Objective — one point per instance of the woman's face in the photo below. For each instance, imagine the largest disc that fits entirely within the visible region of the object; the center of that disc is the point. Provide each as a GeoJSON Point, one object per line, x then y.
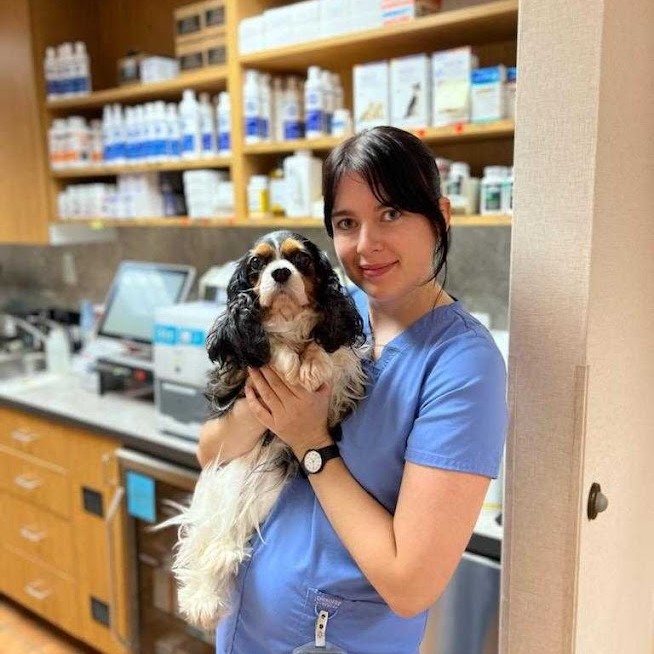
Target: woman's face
{"type": "Point", "coordinates": [385, 252]}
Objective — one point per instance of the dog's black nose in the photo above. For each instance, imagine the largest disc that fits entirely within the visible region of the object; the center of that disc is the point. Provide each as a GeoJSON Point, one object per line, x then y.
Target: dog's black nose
{"type": "Point", "coordinates": [281, 274]}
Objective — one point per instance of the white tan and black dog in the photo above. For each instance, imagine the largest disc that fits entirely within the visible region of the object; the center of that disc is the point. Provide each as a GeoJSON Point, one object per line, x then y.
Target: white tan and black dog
{"type": "Point", "coordinates": [287, 308]}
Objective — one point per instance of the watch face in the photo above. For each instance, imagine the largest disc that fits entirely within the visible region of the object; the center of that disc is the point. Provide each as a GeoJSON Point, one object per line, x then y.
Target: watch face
{"type": "Point", "coordinates": [312, 461]}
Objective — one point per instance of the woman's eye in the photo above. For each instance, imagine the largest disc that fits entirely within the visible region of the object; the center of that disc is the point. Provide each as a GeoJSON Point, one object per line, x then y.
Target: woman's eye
{"type": "Point", "coordinates": [344, 223]}
{"type": "Point", "coordinates": [392, 214]}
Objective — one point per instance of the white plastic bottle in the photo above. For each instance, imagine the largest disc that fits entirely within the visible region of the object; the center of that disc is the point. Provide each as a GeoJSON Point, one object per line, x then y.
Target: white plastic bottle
{"type": "Point", "coordinates": [174, 134]}
{"type": "Point", "coordinates": [147, 153]}
{"type": "Point", "coordinates": [82, 70]}
{"type": "Point", "coordinates": [258, 196]}
{"type": "Point", "coordinates": [224, 115]}
{"type": "Point", "coordinates": [491, 190]}
{"type": "Point", "coordinates": [207, 126]}
{"type": "Point", "coordinates": [189, 116]}
{"type": "Point", "coordinates": [339, 94]}
{"type": "Point", "coordinates": [265, 107]}
{"type": "Point", "coordinates": [118, 138]}
{"type": "Point", "coordinates": [57, 351]}
{"type": "Point", "coordinates": [314, 104]}
{"type": "Point", "coordinates": [159, 131]}
{"type": "Point", "coordinates": [277, 119]}
{"type": "Point", "coordinates": [78, 141]}
{"type": "Point", "coordinates": [65, 57]}
{"type": "Point", "coordinates": [329, 101]}
{"type": "Point", "coordinates": [456, 187]}
{"type": "Point", "coordinates": [140, 134]}
{"type": "Point", "coordinates": [291, 118]}
{"type": "Point", "coordinates": [51, 73]}
{"type": "Point", "coordinates": [56, 143]}
{"type": "Point", "coordinates": [96, 142]}
{"type": "Point", "coordinates": [303, 176]}
{"type": "Point", "coordinates": [251, 104]}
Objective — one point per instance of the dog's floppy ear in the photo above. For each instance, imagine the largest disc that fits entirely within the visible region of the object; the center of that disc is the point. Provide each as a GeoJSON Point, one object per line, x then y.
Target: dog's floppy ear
{"type": "Point", "coordinates": [340, 323]}
{"type": "Point", "coordinates": [238, 339]}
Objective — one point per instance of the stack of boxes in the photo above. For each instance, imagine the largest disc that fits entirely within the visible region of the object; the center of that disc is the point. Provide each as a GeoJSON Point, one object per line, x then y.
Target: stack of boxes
{"type": "Point", "coordinates": [315, 19]}
{"type": "Point", "coordinates": [200, 35]}
{"type": "Point", "coordinates": [420, 91]}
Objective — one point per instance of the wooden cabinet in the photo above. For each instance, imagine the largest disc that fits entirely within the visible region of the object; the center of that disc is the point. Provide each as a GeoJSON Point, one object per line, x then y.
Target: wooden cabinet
{"type": "Point", "coordinates": [62, 554]}
{"type": "Point", "coordinates": [24, 194]}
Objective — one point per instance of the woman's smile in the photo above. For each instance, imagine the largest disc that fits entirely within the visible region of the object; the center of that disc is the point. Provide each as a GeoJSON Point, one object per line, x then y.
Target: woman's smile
{"type": "Point", "coordinates": [376, 270]}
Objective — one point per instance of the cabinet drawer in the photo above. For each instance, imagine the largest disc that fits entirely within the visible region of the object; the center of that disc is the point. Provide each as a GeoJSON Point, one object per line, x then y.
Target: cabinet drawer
{"type": "Point", "coordinates": [41, 590]}
{"type": "Point", "coordinates": [34, 436]}
{"type": "Point", "coordinates": [39, 534]}
{"type": "Point", "coordinates": [35, 483]}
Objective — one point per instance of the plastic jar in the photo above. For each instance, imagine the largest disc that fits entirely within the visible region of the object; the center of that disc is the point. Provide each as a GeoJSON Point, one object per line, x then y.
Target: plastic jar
{"type": "Point", "coordinates": [258, 195]}
{"type": "Point", "coordinates": [492, 190]}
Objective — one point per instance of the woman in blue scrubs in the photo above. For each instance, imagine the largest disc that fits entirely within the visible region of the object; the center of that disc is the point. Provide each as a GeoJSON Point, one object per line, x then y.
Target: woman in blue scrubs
{"type": "Point", "coordinates": [373, 537]}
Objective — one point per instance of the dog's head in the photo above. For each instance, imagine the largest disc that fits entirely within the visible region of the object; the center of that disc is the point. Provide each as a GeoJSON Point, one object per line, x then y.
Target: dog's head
{"type": "Point", "coordinates": [279, 280]}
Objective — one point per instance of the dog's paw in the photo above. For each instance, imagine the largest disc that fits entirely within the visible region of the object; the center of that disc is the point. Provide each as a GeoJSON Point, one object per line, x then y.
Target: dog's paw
{"type": "Point", "coordinates": [316, 368]}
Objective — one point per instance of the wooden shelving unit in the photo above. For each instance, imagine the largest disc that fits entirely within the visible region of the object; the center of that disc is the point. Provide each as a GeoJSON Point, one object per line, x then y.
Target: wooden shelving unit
{"type": "Point", "coordinates": [104, 171]}
{"type": "Point", "coordinates": [207, 79]}
{"type": "Point", "coordinates": [273, 223]}
{"type": "Point", "coordinates": [492, 22]}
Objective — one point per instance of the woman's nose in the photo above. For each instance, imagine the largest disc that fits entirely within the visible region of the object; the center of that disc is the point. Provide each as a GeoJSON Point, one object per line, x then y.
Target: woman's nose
{"type": "Point", "coordinates": [369, 239]}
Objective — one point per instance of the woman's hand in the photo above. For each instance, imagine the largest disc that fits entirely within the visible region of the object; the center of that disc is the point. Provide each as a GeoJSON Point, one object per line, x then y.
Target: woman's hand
{"type": "Point", "coordinates": [294, 414]}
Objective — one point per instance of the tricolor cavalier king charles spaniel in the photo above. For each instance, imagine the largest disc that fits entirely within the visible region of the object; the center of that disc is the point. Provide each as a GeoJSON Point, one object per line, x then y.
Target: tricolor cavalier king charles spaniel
{"type": "Point", "coordinates": [287, 308]}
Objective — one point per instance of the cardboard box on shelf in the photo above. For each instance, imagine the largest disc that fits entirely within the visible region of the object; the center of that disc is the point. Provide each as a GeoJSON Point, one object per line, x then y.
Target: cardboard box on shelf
{"type": "Point", "coordinates": [400, 11]}
{"type": "Point", "coordinates": [451, 74]}
{"type": "Point", "coordinates": [371, 95]}
{"type": "Point", "coordinates": [189, 19]}
{"type": "Point", "coordinates": [205, 50]}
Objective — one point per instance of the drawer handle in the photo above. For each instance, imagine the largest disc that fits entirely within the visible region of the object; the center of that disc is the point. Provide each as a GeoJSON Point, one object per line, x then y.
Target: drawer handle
{"type": "Point", "coordinates": [33, 591]}
{"type": "Point", "coordinates": [31, 534]}
{"type": "Point", "coordinates": [23, 437]}
{"type": "Point", "coordinates": [27, 482]}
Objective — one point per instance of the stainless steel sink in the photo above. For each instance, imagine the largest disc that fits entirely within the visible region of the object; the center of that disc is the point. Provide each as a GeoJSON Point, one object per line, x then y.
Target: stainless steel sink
{"type": "Point", "coordinates": [20, 364]}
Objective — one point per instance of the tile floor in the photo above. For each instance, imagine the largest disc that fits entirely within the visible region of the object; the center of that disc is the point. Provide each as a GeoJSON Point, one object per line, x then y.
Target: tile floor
{"type": "Point", "coordinates": [22, 632]}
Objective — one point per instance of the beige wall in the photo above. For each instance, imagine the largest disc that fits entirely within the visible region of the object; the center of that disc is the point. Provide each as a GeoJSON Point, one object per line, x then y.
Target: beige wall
{"type": "Point", "coordinates": [581, 348]}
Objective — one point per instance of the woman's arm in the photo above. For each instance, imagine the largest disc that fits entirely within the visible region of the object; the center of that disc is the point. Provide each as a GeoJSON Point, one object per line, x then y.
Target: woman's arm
{"type": "Point", "coordinates": [229, 436]}
{"type": "Point", "coordinates": [408, 557]}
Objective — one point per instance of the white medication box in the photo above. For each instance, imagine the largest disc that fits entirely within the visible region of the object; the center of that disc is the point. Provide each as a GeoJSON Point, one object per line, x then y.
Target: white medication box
{"type": "Point", "coordinates": [334, 17]}
{"type": "Point", "coordinates": [451, 72]}
{"type": "Point", "coordinates": [410, 91]}
{"type": "Point", "coordinates": [371, 95]}
{"type": "Point", "coordinates": [488, 95]}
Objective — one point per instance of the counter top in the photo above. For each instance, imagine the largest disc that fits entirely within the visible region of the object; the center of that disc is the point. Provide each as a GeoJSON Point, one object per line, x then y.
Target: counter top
{"type": "Point", "coordinates": [130, 420]}
{"type": "Point", "coordinates": [133, 422]}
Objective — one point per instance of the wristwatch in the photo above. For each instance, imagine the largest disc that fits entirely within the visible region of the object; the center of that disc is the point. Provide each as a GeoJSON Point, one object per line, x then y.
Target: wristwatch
{"type": "Point", "coordinates": [314, 461]}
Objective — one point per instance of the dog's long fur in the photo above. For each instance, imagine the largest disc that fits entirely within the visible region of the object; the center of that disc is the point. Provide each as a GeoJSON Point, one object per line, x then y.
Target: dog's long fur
{"type": "Point", "coordinates": [302, 323]}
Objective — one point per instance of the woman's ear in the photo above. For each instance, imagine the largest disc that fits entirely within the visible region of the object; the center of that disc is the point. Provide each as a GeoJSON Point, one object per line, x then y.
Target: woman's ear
{"type": "Point", "coordinates": [446, 209]}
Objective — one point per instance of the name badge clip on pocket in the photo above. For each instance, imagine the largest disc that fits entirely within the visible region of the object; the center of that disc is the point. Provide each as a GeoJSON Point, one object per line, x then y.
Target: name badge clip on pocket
{"type": "Point", "coordinates": [320, 644]}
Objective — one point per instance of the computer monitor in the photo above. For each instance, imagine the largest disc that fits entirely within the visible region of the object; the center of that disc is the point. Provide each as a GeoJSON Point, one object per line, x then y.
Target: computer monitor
{"type": "Point", "coordinates": [137, 290]}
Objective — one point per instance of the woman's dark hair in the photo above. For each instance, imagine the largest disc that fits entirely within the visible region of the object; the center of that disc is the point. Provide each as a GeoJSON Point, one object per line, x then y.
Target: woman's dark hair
{"type": "Point", "coordinates": [401, 172]}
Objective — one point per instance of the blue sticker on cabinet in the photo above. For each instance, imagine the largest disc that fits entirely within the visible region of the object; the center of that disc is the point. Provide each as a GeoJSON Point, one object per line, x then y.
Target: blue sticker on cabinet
{"type": "Point", "coordinates": [141, 496]}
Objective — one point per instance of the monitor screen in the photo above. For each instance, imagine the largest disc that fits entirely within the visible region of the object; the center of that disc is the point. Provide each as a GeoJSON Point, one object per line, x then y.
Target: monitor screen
{"type": "Point", "coordinates": [137, 290]}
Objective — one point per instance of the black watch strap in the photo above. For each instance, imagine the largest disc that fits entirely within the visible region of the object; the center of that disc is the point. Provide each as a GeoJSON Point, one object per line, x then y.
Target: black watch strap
{"type": "Point", "coordinates": [326, 453]}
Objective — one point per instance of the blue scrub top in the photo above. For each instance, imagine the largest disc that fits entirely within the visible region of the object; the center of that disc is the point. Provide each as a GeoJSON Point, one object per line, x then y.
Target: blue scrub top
{"type": "Point", "coordinates": [436, 397]}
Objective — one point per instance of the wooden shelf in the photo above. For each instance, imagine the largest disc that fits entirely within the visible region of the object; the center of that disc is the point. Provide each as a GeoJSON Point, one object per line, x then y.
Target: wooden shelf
{"type": "Point", "coordinates": [487, 23]}
{"type": "Point", "coordinates": [213, 78]}
{"type": "Point", "coordinates": [451, 133]}
{"type": "Point", "coordinates": [103, 171]}
{"type": "Point", "coordinates": [279, 223]}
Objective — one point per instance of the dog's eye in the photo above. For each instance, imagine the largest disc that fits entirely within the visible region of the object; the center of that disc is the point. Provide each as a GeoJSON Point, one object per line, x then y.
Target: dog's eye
{"type": "Point", "coordinates": [301, 260]}
{"type": "Point", "coordinates": [256, 264]}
